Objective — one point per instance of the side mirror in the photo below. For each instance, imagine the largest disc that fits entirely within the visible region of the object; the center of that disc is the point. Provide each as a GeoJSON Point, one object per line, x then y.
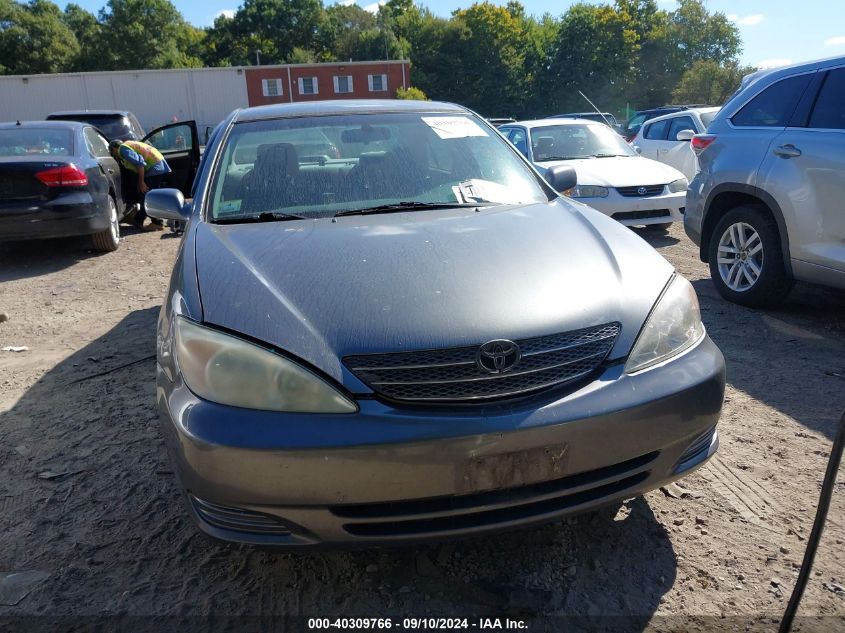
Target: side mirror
{"type": "Point", "coordinates": [684, 135]}
{"type": "Point", "coordinates": [561, 177]}
{"type": "Point", "coordinates": [167, 204]}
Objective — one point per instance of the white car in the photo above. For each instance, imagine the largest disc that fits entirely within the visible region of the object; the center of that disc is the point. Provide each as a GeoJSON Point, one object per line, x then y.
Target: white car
{"type": "Point", "coordinates": [612, 177]}
{"type": "Point", "coordinates": [667, 138]}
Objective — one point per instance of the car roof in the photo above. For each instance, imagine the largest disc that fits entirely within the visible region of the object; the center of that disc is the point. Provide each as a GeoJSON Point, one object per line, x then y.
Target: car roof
{"type": "Point", "coordinates": [345, 106]}
{"type": "Point", "coordinates": [672, 115]}
{"type": "Point", "coordinates": [568, 114]}
{"type": "Point", "coordinates": [552, 121]}
{"type": "Point", "coordinates": [90, 112]}
{"type": "Point", "coordinates": [67, 125]}
{"type": "Point", "coordinates": [792, 69]}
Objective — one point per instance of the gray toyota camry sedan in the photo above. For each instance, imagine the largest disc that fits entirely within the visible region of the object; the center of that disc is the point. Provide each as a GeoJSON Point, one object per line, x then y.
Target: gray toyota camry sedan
{"type": "Point", "coordinates": [413, 336]}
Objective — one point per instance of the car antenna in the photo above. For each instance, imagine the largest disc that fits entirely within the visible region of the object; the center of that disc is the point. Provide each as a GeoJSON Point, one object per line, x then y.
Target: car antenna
{"type": "Point", "coordinates": [18, 123]}
{"type": "Point", "coordinates": [599, 112]}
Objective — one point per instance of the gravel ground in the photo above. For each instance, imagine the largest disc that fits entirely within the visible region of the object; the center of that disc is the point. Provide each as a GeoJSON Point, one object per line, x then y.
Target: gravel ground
{"type": "Point", "coordinates": [92, 524]}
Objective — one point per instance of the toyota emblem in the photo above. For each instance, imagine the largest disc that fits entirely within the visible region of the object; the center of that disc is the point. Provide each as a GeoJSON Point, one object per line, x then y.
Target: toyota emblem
{"type": "Point", "coordinates": [642, 191]}
{"type": "Point", "coordinates": [498, 357]}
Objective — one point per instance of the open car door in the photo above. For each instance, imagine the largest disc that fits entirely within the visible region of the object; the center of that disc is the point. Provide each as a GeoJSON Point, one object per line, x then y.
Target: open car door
{"type": "Point", "coordinates": [179, 144]}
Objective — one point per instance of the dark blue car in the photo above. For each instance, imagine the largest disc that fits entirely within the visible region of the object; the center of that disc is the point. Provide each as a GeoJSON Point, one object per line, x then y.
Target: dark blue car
{"type": "Point", "coordinates": [417, 338]}
{"type": "Point", "coordinates": [58, 179]}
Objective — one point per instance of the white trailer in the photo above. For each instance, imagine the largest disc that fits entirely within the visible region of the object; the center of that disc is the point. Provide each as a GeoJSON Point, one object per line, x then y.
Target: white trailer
{"type": "Point", "coordinates": [205, 95]}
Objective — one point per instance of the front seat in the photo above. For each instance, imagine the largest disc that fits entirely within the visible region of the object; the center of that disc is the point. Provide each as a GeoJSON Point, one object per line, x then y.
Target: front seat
{"type": "Point", "coordinates": [544, 148]}
{"type": "Point", "coordinates": [271, 184]}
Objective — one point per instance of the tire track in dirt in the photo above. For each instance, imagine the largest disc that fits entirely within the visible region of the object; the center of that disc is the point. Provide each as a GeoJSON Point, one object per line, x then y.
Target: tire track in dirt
{"type": "Point", "coordinates": [746, 496]}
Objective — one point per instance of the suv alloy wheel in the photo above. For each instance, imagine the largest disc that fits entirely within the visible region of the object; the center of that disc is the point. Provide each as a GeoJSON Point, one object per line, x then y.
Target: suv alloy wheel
{"type": "Point", "coordinates": [746, 261]}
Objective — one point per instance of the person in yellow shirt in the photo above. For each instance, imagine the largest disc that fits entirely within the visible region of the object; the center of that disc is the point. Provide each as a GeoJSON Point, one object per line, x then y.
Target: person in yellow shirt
{"type": "Point", "coordinates": [149, 165]}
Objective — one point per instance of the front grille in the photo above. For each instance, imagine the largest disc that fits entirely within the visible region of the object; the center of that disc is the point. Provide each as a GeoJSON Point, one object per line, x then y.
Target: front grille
{"type": "Point", "coordinates": [643, 215]}
{"type": "Point", "coordinates": [457, 512]}
{"type": "Point", "coordinates": [634, 192]}
{"type": "Point", "coordinates": [238, 519]}
{"type": "Point", "coordinates": [452, 374]}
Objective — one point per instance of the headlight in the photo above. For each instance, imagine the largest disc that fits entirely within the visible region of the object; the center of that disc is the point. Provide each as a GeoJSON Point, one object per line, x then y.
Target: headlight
{"type": "Point", "coordinates": [673, 326]}
{"type": "Point", "coordinates": [587, 191]}
{"type": "Point", "coordinates": [679, 185]}
{"type": "Point", "coordinates": [231, 371]}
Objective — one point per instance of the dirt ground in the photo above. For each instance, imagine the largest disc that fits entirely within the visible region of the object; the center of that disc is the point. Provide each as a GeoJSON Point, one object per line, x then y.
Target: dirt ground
{"type": "Point", "coordinates": [92, 524]}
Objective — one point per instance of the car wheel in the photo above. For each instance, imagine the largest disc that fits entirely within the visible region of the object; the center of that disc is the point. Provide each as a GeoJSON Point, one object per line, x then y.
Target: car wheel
{"type": "Point", "coordinates": [746, 261]}
{"type": "Point", "coordinates": [663, 226]}
{"type": "Point", "coordinates": [108, 240]}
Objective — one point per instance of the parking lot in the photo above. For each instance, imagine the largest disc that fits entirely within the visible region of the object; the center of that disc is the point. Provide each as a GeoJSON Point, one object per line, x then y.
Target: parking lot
{"type": "Point", "coordinates": [87, 495]}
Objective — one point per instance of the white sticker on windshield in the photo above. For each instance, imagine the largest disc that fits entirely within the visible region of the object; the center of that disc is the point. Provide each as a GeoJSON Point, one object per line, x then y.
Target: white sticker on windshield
{"type": "Point", "coordinates": [454, 126]}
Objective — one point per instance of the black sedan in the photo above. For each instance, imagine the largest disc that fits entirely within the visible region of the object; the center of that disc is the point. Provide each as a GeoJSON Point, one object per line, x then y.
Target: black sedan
{"type": "Point", "coordinates": [57, 179]}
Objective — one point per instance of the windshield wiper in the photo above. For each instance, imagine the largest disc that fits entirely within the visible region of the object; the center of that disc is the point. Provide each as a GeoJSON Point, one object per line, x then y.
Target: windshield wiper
{"type": "Point", "coordinates": [561, 158]}
{"type": "Point", "coordinates": [267, 216]}
{"type": "Point", "coordinates": [408, 206]}
{"type": "Point", "coordinates": [609, 155]}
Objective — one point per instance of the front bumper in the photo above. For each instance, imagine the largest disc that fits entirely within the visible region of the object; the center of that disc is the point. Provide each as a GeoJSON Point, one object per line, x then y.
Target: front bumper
{"type": "Point", "coordinates": [388, 475]}
{"type": "Point", "coordinates": [69, 215]}
{"type": "Point", "coordinates": [640, 211]}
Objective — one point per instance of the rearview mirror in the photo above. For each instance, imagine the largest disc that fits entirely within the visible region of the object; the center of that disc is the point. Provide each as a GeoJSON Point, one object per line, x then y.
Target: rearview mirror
{"type": "Point", "coordinates": [167, 204]}
{"type": "Point", "coordinates": [684, 135]}
{"type": "Point", "coordinates": [365, 134]}
{"type": "Point", "coordinates": [561, 178]}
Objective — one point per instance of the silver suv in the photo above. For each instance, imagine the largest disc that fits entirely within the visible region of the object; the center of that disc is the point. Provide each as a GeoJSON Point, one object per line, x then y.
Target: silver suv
{"type": "Point", "coordinates": [768, 206]}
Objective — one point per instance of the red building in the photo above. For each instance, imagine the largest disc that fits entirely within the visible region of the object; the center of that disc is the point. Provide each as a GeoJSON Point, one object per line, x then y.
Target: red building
{"type": "Point", "coordinates": [313, 82]}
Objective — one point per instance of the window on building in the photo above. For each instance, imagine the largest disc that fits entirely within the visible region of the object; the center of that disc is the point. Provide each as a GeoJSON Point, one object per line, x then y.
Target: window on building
{"type": "Point", "coordinates": [343, 83]}
{"type": "Point", "coordinates": [378, 83]}
{"type": "Point", "coordinates": [272, 87]}
{"type": "Point", "coordinates": [308, 86]}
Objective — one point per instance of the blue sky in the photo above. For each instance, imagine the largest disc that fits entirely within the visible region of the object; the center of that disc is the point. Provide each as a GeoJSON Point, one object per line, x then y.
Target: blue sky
{"type": "Point", "coordinates": [774, 32]}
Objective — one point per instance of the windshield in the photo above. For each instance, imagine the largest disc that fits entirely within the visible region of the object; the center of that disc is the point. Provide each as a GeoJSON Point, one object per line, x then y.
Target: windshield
{"type": "Point", "coordinates": [321, 166]}
{"type": "Point", "coordinates": [27, 141]}
{"type": "Point", "coordinates": [563, 142]}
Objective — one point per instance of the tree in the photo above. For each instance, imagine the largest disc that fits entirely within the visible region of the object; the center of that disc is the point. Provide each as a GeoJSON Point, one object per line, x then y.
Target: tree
{"type": "Point", "coordinates": [140, 34]}
{"type": "Point", "coordinates": [486, 54]}
{"type": "Point", "coordinates": [414, 94]}
{"type": "Point", "coordinates": [34, 39]}
{"type": "Point", "coordinates": [596, 51]}
{"type": "Point", "coordinates": [273, 27]}
{"type": "Point", "coordinates": [709, 82]}
{"type": "Point", "coordinates": [87, 31]}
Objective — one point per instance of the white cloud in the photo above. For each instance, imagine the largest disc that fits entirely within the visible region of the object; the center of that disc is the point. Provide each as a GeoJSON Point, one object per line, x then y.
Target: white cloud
{"type": "Point", "coordinates": [373, 8]}
{"type": "Point", "coordinates": [229, 13]}
{"type": "Point", "coordinates": [748, 20]}
{"type": "Point", "coordinates": [835, 41]}
{"type": "Point", "coordinates": [773, 63]}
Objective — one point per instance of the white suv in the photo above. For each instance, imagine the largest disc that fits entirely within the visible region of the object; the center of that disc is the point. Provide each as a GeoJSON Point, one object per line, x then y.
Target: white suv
{"type": "Point", "coordinates": [667, 138]}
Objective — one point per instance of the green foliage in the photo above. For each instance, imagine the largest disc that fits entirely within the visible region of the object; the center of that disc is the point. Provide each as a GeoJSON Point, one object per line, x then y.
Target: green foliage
{"type": "Point", "coordinates": [34, 39]}
{"type": "Point", "coordinates": [412, 93]}
{"type": "Point", "coordinates": [140, 34]}
{"type": "Point", "coordinates": [498, 60]}
{"type": "Point", "coordinates": [271, 28]}
{"type": "Point", "coordinates": [88, 32]}
{"type": "Point", "coordinates": [707, 81]}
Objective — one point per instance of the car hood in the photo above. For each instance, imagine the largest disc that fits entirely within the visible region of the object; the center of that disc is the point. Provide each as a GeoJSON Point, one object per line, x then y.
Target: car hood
{"type": "Point", "coordinates": [620, 171]}
{"type": "Point", "coordinates": [323, 289]}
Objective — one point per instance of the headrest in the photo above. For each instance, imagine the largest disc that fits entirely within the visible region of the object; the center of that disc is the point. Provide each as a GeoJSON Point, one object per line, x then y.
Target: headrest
{"type": "Point", "coordinates": [277, 158]}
